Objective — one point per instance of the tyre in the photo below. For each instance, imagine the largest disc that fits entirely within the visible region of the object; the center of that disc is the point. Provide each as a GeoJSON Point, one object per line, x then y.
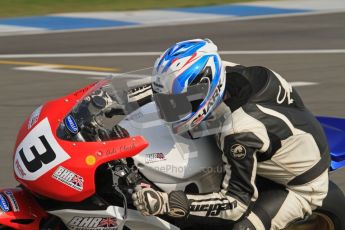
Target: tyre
{"type": "Point", "coordinates": [331, 216]}
{"type": "Point", "coordinates": [317, 221]}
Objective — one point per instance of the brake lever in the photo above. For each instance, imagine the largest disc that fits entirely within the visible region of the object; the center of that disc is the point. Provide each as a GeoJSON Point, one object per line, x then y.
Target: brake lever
{"type": "Point", "coordinates": [115, 177]}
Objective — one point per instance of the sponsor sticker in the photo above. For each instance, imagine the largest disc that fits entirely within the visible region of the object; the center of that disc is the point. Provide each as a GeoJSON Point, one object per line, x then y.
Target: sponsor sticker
{"type": "Point", "coordinates": [34, 117]}
{"type": "Point", "coordinates": [69, 178]}
{"type": "Point", "coordinates": [13, 201]}
{"type": "Point", "coordinates": [19, 168]}
{"type": "Point", "coordinates": [93, 223]}
{"type": "Point", "coordinates": [285, 91]}
{"type": "Point", "coordinates": [120, 149]}
{"type": "Point", "coordinates": [213, 209]}
{"type": "Point", "coordinates": [71, 124]}
{"type": "Point", "coordinates": [213, 100]}
{"type": "Point", "coordinates": [238, 151]}
{"type": "Point", "coordinates": [4, 205]}
{"type": "Point", "coordinates": [90, 160]}
{"type": "Point", "coordinates": [154, 157]}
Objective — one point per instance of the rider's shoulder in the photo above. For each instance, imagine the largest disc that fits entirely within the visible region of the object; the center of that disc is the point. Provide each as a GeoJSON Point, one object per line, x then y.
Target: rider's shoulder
{"type": "Point", "coordinates": [263, 82]}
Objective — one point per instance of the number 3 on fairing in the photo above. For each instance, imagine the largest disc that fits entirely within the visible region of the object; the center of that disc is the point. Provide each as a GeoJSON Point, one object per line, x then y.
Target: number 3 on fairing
{"type": "Point", "coordinates": [38, 153]}
{"type": "Point", "coordinates": [40, 159]}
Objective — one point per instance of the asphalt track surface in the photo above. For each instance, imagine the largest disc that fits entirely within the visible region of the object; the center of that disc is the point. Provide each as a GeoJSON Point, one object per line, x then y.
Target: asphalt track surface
{"type": "Point", "coordinates": [22, 91]}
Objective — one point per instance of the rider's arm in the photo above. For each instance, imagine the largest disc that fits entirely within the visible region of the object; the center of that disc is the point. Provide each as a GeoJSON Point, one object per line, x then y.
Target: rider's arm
{"type": "Point", "coordinates": [230, 203]}
{"type": "Point", "coordinates": [238, 188]}
{"type": "Point", "coordinates": [241, 141]}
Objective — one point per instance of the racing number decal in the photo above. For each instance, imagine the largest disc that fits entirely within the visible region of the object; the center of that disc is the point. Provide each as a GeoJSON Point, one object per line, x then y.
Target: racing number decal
{"type": "Point", "coordinates": [38, 153]}
{"type": "Point", "coordinates": [40, 159]}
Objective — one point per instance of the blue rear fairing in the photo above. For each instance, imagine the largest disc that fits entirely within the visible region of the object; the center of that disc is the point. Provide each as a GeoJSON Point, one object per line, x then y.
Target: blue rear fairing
{"type": "Point", "coordinates": [335, 132]}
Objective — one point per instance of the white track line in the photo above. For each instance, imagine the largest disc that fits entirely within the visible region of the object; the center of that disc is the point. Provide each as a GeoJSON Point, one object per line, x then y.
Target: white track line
{"type": "Point", "coordinates": [315, 51]}
{"type": "Point", "coordinates": [137, 54]}
{"type": "Point", "coordinates": [54, 69]}
{"type": "Point", "coordinates": [293, 83]}
{"type": "Point", "coordinates": [72, 55]}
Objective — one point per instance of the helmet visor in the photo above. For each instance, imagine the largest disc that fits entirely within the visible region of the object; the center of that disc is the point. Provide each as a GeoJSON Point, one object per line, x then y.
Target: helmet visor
{"type": "Point", "coordinates": [173, 108]}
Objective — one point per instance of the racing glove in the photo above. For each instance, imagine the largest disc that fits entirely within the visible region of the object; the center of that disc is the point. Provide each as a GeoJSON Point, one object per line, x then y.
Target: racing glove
{"type": "Point", "coordinates": [151, 202]}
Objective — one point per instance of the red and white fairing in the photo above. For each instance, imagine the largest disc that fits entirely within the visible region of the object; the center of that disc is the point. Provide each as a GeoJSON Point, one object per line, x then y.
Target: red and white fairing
{"type": "Point", "coordinates": [41, 156]}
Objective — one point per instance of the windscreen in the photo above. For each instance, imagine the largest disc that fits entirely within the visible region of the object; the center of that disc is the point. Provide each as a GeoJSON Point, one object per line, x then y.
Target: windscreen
{"type": "Point", "coordinates": [97, 115]}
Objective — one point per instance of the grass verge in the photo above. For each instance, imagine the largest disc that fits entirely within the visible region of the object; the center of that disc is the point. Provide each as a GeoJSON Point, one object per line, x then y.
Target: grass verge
{"type": "Point", "coordinates": [15, 8]}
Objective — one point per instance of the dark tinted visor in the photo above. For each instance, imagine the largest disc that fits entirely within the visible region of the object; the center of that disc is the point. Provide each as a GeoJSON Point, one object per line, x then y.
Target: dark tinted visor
{"type": "Point", "coordinates": [176, 107]}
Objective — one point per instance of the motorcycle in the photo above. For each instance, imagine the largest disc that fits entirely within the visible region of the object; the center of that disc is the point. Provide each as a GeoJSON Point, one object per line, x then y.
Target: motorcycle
{"type": "Point", "coordinates": [78, 159]}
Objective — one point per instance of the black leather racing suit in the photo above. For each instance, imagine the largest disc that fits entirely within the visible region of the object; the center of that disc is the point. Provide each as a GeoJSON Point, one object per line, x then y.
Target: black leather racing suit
{"type": "Point", "coordinates": [273, 135]}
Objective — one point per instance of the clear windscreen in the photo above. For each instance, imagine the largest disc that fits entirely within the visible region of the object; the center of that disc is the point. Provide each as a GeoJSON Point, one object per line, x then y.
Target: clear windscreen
{"type": "Point", "coordinates": [97, 115]}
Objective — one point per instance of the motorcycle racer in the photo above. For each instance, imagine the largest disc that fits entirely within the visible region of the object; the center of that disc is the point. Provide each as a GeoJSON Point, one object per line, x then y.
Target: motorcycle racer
{"type": "Point", "coordinates": [266, 131]}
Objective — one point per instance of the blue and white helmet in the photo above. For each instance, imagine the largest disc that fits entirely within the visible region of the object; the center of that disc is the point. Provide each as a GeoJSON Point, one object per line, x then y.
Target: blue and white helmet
{"type": "Point", "coordinates": [189, 83]}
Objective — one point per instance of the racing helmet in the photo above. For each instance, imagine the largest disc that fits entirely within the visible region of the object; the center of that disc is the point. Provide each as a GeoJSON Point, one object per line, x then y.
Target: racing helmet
{"type": "Point", "coordinates": [188, 83]}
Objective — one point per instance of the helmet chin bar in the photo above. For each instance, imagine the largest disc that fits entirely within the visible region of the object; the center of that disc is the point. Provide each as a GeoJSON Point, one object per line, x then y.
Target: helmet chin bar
{"type": "Point", "coordinates": [214, 123]}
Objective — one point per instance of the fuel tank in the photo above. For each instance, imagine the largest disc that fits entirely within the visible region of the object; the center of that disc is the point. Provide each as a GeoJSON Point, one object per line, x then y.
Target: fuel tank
{"type": "Point", "coordinates": [173, 161]}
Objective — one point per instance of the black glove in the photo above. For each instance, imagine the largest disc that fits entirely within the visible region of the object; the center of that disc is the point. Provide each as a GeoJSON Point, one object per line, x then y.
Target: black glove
{"type": "Point", "coordinates": [151, 202]}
